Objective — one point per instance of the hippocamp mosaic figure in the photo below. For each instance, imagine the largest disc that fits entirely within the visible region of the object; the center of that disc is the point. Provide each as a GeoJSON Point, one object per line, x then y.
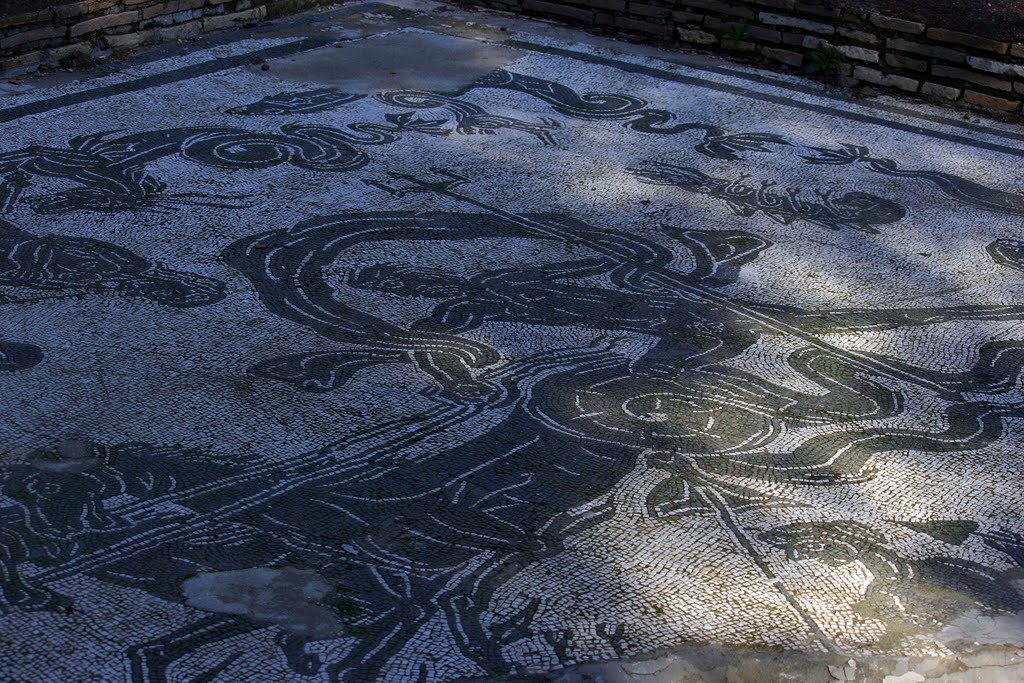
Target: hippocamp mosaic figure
{"type": "Point", "coordinates": [855, 210]}
{"type": "Point", "coordinates": [112, 177]}
{"type": "Point", "coordinates": [79, 265]}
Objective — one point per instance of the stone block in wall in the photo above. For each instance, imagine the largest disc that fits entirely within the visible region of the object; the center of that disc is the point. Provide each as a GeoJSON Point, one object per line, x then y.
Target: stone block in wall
{"type": "Point", "coordinates": [904, 62]}
{"type": "Point", "coordinates": [738, 45]}
{"type": "Point", "coordinates": [971, 77]}
{"type": "Point", "coordinates": [34, 36]}
{"type": "Point", "coordinates": [764, 35]}
{"type": "Point", "coordinates": [861, 54]}
{"type": "Point", "coordinates": [77, 9]}
{"type": "Point", "coordinates": [186, 31]}
{"type": "Point", "coordinates": [1017, 50]}
{"type": "Point", "coordinates": [948, 54]}
{"type": "Point", "coordinates": [559, 10]}
{"type": "Point", "coordinates": [103, 22]}
{"type": "Point", "coordinates": [968, 40]}
{"type": "Point", "coordinates": [894, 24]}
{"type": "Point", "coordinates": [27, 60]}
{"type": "Point", "coordinates": [696, 37]}
{"type": "Point", "coordinates": [687, 18]}
{"type": "Point", "coordinates": [858, 36]}
{"type": "Point", "coordinates": [721, 8]}
{"type": "Point", "coordinates": [777, 4]}
{"type": "Point", "coordinates": [129, 40]}
{"type": "Point", "coordinates": [995, 67]}
{"type": "Point", "coordinates": [62, 52]}
{"type": "Point", "coordinates": [795, 22]}
{"type": "Point", "coordinates": [233, 19]}
{"type": "Point", "coordinates": [171, 19]}
{"type": "Point", "coordinates": [944, 92]}
{"type": "Point", "coordinates": [172, 7]}
{"type": "Point", "coordinates": [851, 51]}
{"type": "Point", "coordinates": [783, 56]}
{"type": "Point", "coordinates": [980, 99]}
{"type": "Point", "coordinates": [724, 25]}
{"type": "Point", "coordinates": [817, 10]}
{"type": "Point", "coordinates": [610, 5]}
{"type": "Point", "coordinates": [635, 25]}
{"type": "Point", "coordinates": [868, 75]}
{"type": "Point", "coordinates": [26, 18]}
{"type": "Point", "coordinates": [652, 11]}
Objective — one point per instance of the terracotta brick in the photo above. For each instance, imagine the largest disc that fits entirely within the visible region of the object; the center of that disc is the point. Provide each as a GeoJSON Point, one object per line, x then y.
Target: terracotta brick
{"type": "Point", "coordinates": [33, 36]}
{"type": "Point", "coordinates": [990, 102]}
{"type": "Point", "coordinates": [106, 21]}
{"type": "Point", "coordinates": [968, 40]}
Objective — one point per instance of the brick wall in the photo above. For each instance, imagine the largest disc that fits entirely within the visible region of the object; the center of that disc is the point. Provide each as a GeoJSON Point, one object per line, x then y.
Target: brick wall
{"type": "Point", "coordinates": [886, 52]}
{"type": "Point", "coordinates": [53, 35]}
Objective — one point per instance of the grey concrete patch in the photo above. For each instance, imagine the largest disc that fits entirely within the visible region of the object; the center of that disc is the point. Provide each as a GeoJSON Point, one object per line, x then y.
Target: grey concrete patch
{"type": "Point", "coordinates": [288, 597]}
{"type": "Point", "coordinates": [407, 60]}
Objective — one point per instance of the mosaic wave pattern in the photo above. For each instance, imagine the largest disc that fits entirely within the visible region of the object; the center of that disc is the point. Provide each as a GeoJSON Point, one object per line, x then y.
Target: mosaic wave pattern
{"type": "Point", "coordinates": [575, 363]}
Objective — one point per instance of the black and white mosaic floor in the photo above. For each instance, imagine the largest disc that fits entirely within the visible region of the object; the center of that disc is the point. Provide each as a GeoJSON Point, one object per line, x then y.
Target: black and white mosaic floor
{"type": "Point", "coordinates": [588, 358]}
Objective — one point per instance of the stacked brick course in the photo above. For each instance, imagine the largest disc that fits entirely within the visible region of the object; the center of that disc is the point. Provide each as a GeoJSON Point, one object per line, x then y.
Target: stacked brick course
{"type": "Point", "coordinates": [52, 35]}
{"type": "Point", "coordinates": [886, 52]}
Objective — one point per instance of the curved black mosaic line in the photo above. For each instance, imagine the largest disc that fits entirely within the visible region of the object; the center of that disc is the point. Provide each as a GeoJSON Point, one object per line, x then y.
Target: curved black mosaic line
{"type": "Point", "coordinates": [1007, 252]}
{"type": "Point", "coordinates": [304, 102]}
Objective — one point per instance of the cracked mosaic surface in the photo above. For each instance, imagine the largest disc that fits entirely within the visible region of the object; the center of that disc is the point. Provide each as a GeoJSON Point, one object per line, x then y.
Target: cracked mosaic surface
{"type": "Point", "coordinates": [577, 362]}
